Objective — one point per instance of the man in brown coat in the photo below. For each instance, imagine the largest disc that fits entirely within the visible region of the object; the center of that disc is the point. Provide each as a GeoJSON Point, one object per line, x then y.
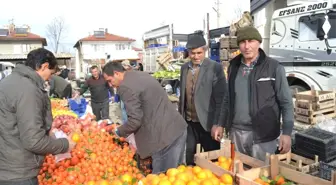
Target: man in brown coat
{"type": "Point", "coordinates": [159, 130]}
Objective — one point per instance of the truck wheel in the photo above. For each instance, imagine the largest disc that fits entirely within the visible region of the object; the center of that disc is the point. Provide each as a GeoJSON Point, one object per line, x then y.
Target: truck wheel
{"type": "Point", "coordinates": [298, 87]}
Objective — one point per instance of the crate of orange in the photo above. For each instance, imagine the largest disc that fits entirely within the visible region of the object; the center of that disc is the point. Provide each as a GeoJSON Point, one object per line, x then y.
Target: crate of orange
{"type": "Point", "coordinates": [275, 174]}
{"type": "Point", "coordinates": [221, 162]}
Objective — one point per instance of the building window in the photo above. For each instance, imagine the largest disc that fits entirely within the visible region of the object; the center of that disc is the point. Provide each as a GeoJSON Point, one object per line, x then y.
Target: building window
{"type": "Point", "coordinates": [98, 47]}
{"type": "Point", "coordinates": [25, 48]}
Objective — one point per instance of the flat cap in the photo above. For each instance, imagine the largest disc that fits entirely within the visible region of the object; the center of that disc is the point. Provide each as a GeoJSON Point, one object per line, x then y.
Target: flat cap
{"type": "Point", "coordinates": [195, 41]}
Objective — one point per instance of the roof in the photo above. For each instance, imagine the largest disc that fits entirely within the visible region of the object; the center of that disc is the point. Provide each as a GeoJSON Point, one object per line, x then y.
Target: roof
{"type": "Point", "coordinates": [29, 37]}
{"type": "Point", "coordinates": [136, 49]}
{"type": "Point", "coordinates": [256, 4]}
{"type": "Point", "coordinates": [11, 57]}
{"type": "Point", "coordinates": [107, 37]}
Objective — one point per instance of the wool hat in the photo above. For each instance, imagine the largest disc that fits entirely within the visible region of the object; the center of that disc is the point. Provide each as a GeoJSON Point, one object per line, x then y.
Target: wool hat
{"type": "Point", "coordinates": [248, 33]}
{"type": "Point", "coordinates": [195, 41]}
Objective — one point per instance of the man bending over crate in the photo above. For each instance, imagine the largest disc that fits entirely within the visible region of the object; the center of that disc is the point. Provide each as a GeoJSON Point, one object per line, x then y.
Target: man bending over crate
{"type": "Point", "coordinates": [258, 95]}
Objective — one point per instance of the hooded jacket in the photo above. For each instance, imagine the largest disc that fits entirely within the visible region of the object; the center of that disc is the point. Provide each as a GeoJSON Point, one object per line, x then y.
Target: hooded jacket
{"type": "Point", "coordinates": [25, 119]}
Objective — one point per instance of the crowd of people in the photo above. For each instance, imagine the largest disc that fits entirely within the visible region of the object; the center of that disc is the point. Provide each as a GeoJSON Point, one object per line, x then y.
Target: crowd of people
{"type": "Point", "coordinates": [248, 105]}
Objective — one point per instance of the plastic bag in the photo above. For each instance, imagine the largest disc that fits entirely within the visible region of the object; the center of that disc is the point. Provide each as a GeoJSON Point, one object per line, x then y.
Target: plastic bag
{"type": "Point", "coordinates": [131, 140]}
{"type": "Point", "coordinates": [59, 157]}
{"type": "Point", "coordinates": [326, 123]}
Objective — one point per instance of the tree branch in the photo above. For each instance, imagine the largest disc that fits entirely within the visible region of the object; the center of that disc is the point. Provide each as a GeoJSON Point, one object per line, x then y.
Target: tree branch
{"type": "Point", "coordinates": [56, 31]}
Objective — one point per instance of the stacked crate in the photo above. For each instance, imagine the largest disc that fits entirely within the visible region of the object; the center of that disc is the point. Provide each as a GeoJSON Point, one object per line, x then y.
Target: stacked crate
{"type": "Point", "coordinates": [310, 104]}
{"type": "Point", "coordinates": [228, 50]}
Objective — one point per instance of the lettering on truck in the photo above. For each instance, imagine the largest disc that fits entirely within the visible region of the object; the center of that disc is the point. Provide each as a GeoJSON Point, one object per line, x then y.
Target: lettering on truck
{"type": "Point", "coordinates": [307, 8]}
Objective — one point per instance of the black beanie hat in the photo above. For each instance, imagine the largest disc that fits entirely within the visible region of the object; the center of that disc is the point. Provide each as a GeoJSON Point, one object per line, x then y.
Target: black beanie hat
{"type": "Point", "coordinates": [248, 33]}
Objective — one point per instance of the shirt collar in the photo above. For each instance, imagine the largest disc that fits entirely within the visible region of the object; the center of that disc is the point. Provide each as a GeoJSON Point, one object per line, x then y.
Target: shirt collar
{"type": "Point", "coordinates": [252, 63]}
{"type": "Point", "coordinates": [191, 64]}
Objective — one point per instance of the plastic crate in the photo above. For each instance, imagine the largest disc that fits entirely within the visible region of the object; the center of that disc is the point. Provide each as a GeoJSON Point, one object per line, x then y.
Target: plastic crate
{"type": "Point", "coordinates": [326, 170]}
{"type": "Point", "coordinates": [315, 141]}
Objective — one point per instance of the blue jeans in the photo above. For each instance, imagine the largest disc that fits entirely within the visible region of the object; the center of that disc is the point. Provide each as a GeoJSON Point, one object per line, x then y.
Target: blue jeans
{"type": "Point", "coordinates": [123, 112]}
{"type": "Point", "coordinates": [171, 156]}
{"type": "Point", "coordinates": [32, 181]}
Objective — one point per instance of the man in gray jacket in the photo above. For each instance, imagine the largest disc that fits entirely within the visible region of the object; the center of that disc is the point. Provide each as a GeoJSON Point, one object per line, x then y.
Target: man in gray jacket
{"type": "Point", "coordinates": [203, 86]}
{"type": "Point", "coordinates": [25, 120]}
{"type": "Point", "coordinates": [159, 130]}
{"type": "Point", "coordinates": [59, 87]}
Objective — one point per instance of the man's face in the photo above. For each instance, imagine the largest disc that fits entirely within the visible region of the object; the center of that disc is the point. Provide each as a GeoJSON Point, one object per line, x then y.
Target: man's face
{"type": "Point", "coordinates": [249, 49]}
{"type": "Point", "coordinates": [197, 55]}
{"type": "Point", "coordinates": [45, 72]}
{"type": "Point", "coordinates": [113, 81]}
{"type": "Point", "coordinates": [95, 72]}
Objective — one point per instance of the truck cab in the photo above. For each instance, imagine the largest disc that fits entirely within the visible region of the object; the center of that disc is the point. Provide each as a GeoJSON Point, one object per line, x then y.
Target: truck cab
{"type": "Point", "coordinates": [303, 39]}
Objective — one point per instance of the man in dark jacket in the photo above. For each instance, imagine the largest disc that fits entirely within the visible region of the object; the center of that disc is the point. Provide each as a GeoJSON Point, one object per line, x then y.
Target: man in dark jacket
{"type": "Point", "coordinates": [159, 130]}
{"type": "Point", "coordinates": [203, 87]}
{"type": "Point", "coordinates": [25, 120]}
{"type": "Point", "coordinates": [59, 87]}
{"type": "Point", "coordinates": [99, 90]}
{"type": "Point", "coordinates": [258, 95]}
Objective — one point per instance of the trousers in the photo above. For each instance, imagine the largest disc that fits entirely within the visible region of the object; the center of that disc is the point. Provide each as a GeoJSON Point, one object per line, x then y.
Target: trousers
{"type": "Point", "coordinates": [197, 134]}
{"type": "Point", "coordinates": [169, 157]}
{"type": "Point", "coordinates": [243, 141]}
{"type": "Point", "coordinates": [32, 181]}
{"type": "Point", "coordinates": [101, 110]}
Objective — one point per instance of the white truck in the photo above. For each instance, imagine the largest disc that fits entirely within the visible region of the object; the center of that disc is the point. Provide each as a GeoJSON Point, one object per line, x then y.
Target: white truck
{"type": "Point", "coordinates": [302, 36]}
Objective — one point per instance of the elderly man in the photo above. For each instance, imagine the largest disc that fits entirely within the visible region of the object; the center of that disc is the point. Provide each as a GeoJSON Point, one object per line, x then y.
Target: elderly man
{"type": "Point", "coordinates": [203, 87]}
{"type": "Point", "coordinates": [258, 95]}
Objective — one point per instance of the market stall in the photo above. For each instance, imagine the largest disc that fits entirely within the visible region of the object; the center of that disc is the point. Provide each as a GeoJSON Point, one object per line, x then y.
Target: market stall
{"type": "Point", "coordinates": [103, 159]}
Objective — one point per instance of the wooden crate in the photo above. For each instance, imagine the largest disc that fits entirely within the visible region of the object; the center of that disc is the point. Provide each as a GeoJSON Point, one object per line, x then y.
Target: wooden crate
{"type": "Point", "coordinates": [274, 169]}
{"type": "Point", "coordinates": [310, 104]}
{"type": "Point", "coordinates": [229, 42]}
{"type": "Point", "coordinates": [204, 160]}
{"type": "Point", "coordinates": [298, 163]}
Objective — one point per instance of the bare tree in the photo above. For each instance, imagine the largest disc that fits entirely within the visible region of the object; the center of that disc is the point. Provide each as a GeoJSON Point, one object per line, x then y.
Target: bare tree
{"type": "Point", "coordinates": [237, 14]}
{"type": "Point", "coordinates": [56, 32]}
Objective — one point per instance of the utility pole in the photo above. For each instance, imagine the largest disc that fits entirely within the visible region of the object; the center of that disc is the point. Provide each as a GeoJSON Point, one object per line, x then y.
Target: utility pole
{"type": "Point", "coordinates": [217, 10]}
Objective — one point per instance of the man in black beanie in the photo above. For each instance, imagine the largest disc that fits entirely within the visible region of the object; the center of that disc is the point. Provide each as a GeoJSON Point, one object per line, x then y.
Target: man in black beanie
{"type": "Point", "coordinates": [203, 87]}
{"type": "Point", "coordinates": [258, 95]}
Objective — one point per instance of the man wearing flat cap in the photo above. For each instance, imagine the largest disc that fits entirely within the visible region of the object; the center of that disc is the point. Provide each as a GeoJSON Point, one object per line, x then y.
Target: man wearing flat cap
{"type": "Point", "coordinates": [203, 87]}
{"type": "Point", "coordinates": [258, 95]}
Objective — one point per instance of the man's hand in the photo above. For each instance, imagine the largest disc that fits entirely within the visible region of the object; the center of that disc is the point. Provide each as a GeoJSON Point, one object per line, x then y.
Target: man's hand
{"type": "Point", "coordinates": [285, 144]}
{"type": "Point", "coordinates": [72, 144]}
{"type": "Point", "coordinates": [217, 132]}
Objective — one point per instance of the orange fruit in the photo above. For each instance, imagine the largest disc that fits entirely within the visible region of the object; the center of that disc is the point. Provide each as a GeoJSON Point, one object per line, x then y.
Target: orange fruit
{"type": "Point", "coordinates": [183, 176]}
{"type": "Point", "coordinates": [93, 183]}
{"type": "Point", "coordinates": [179, 182]}
{"type": "Point", "coordinates": [225, 165]}
{"type": "Point", "coordinates": [201, 175]}
{"type": "Point", "coordinates": [75, 137]}
{"type": "Point", "coordinates": [171, 178]}
{"type": "Point", "coordinates": [126, 178]}
{"type": "Point", "coordinates": [221, 159]}
{"type": "Point", "coordinates": [226, 179]}
{"type": "Point", "coordinates": [103, 182]}
{"type": "Point", "coordinates": [208, 173]}
{"type": "Point", "coordinates": [215, 180]}
{"type": "Point", "coordinates": [155, 181]}
{"type": "Point", "coordinates": [192, 182]}
{"type": "Point", "coordinates": [172, 172]}
{"type": "Point", "coordinates": [164, 182]}
{"type": "Point", "coordinates": [181, 168]}
{"type": "Point", "coordinates": [206, 182]}
{"type": "Point", "coordinates": [196, 169]}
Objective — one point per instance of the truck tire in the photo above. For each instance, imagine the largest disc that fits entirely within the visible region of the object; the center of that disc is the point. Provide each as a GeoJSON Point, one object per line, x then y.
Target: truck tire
{"type": "Point", "coordinates": [298, 87]}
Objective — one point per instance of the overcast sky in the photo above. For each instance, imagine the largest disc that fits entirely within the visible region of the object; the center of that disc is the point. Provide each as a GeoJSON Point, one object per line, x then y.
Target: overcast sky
{"type": "Point", "coordinates": [130, 18]}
